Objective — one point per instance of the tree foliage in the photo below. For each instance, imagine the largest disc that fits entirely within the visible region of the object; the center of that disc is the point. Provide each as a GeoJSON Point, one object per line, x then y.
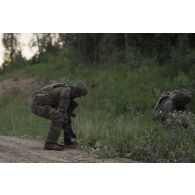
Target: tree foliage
{"type": "Point", "coordinates": [109, 48]}
{"type": "Point", "coordinates": [10, 43]}
{"type": "Point", "coordinates": [115, 47]}
{"type": "Point", "coordinates": [46, 43]}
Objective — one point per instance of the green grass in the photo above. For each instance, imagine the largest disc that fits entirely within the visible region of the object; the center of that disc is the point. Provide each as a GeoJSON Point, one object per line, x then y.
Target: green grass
{"type": "Point", "coordinates": [115, 118]}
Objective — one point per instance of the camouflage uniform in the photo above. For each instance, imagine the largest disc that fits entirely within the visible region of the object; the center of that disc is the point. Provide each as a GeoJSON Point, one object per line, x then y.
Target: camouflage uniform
{"type": "Point", "coordinates": [172, 101]}
{"type": "Point", "coordinates": [56, 103]}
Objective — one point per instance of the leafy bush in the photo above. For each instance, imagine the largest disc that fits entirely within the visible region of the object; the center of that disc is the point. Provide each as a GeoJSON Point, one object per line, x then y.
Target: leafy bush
{"type": "Point", "coordinates": [172, 141]}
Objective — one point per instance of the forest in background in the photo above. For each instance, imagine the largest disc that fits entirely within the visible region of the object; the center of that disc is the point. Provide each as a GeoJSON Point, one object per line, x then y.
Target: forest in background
{"type": "Point", "coordinates": [126, 73]}
{"type": "Point", "coordinates": [105, 49]}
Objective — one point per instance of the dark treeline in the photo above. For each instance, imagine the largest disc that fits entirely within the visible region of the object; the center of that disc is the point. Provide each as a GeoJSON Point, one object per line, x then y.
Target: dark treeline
{"type": "Point", "coordinates": [118, 48]}
{"type": "Point", "coordinates": [106, 49]}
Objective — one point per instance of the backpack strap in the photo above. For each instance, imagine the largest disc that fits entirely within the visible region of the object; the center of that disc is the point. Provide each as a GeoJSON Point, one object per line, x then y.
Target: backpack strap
{"type": "Point", "coordinates": [51, 86]}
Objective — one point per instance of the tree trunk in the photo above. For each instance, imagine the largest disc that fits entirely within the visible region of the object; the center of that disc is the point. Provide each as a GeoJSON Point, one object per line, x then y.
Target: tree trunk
{"type": "Point", "coordinates": [38, 42]}
{"type": "Point", "coordinates": [12, 47]}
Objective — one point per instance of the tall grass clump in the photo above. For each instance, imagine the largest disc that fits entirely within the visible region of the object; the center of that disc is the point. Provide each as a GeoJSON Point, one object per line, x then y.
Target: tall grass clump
{"type": "Point", "coordinates": [17, 119]}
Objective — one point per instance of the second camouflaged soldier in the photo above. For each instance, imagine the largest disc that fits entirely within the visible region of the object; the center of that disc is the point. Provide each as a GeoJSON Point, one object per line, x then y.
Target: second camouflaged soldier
{"type": "Point", "coordinates": [56, 103]}
{"type": "Point", "coordinates": [172, 101]}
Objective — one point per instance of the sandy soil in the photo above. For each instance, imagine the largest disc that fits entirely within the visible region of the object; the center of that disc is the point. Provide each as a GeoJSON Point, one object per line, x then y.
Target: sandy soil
{"type": "Point", "coordinates": [13, 149]}
{"type": "Point", "coordinates": [21, 84]}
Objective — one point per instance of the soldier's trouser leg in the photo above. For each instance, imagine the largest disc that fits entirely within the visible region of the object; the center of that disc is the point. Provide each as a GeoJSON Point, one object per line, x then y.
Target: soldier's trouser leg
{"type": "Point", "coordinates": [56, 121]}
{"type": "Point", "coordinates": [55, 129]}
{"type": "Point", "coordinates": [69, 135]}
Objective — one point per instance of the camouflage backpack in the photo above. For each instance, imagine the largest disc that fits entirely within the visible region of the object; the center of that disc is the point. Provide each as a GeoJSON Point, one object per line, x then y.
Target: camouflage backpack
{"type": "Point", "coordinates": [43, 94]}
{"type": "Point", "coordinates": [51, 86]}
{"type": "Point", "coordinates": [162, 98]}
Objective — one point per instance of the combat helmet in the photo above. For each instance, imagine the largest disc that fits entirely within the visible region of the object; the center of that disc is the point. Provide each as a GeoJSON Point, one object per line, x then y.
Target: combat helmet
{"type": "Point", "coordinates": [80, 88]}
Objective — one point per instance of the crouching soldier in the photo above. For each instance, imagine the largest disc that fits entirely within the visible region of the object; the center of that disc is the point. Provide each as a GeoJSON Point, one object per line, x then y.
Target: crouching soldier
{"type": "Point", "coordinates": [172, 101]}
{"type": "Point", "coordinates": [56, 103]}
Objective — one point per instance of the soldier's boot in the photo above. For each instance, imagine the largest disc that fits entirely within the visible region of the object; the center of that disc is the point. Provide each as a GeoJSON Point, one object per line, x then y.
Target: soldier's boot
{"type": "Point", "coordinates": [53, 146]}
{"type": "Point", "coordinates": [52, 138]}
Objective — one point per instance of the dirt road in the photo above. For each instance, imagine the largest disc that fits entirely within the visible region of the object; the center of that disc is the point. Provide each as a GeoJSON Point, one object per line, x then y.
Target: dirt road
{"type": "Point", "coordinates": [13, 149]}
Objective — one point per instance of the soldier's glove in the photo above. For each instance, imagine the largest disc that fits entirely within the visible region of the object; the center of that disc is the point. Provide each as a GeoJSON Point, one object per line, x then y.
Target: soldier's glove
{"type": "Point", "coordinates": [71, 141]}
{"type": "Point", "coordinates": [70, 138]}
